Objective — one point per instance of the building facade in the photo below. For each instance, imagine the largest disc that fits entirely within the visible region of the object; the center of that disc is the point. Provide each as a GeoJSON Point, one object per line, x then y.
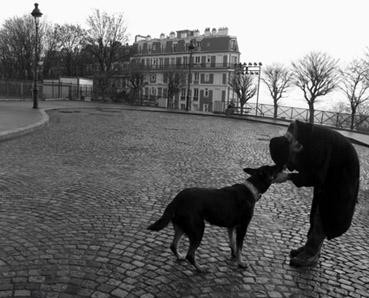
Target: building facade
{"type": "Point", "coordinates": [204, 63]}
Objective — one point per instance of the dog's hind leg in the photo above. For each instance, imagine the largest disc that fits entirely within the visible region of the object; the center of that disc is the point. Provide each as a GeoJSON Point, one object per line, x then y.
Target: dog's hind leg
{"type": "Point", "coordinates": [177, 237]}
{"type": "Point", "coordinates": [195, 237]}
{"type": "Point", "coordinates": [232, 241]}
{"type": "Point", "coordinates": [240, 235]}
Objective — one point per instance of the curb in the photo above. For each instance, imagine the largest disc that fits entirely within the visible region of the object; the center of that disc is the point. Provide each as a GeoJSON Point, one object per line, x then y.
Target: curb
{"type": "Point", "coordinates": [11, 134]}
{"type": "Point", "coordinates": [15, 133]}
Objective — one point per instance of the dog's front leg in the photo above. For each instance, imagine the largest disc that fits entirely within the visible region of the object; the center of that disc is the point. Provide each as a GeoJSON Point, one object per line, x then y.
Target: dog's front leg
{"type": "Point", "coordinates": [232, 241]}
{"type": "Point", "coordinates": [241, 232]}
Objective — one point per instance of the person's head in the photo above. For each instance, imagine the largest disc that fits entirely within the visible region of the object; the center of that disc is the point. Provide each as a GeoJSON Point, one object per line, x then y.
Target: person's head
{"type": "Point", "coordinates": [284, 149]}
{"type": "Point", "coordinates": [279, 150]}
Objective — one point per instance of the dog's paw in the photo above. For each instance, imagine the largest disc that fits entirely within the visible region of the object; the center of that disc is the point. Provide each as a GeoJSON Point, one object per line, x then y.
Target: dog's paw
{"type": "Point", "coordinates": [180, 258]}
{"type": "Point", "coordinates": [202, 269]}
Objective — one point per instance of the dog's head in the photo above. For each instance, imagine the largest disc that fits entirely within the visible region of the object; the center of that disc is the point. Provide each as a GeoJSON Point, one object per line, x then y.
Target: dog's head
{"type": "Point", "coordinates": [263, 176]}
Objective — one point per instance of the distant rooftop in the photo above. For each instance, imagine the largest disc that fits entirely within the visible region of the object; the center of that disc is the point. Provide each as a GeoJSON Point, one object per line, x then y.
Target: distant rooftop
{"type": "Point", "coordinates": [184, 34]}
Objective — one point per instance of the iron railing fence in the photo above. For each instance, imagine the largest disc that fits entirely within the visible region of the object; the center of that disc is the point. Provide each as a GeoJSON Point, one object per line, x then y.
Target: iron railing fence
{"type": "Point", "coordinates": [47, 90]}
{"type": "Point", "coordinates": [327, 118]}
{"type": "Point", "coordinates": [16, 89]}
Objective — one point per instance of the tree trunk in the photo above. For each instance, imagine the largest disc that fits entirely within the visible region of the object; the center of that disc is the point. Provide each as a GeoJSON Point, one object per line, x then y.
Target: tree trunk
{"type": "Point", "coordinates": [353, 112]}
{"type": "Point", "coordinates": [241, 109]}
{"type": "Point", "coordinates": [275, 110]}
{"type": "Point", "coordinates": [311, 112]}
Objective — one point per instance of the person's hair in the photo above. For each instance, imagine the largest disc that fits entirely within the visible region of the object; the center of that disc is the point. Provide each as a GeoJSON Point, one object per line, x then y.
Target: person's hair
{"type": "Point", "coordinates": [279, 150]}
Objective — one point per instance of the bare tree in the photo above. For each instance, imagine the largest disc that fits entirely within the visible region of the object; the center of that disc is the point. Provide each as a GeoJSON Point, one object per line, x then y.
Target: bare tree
{"type": "Point", "coordinates": [17, 39]}
{"type": "Point", "coordinates": [105, 35]}
{"type": "Point", "coordinates": [355, 86]}
{"type": "Point", "coordinates": [136, 81]}
{"type": "Point", "coordinates": [176, 81]}
{"type": "Point", "coordinates": [50, 54]}
{"type": "Point", "coordinates": [243, 85]}
{"type": "Point", "coordinates": [316, 75]}
{"type": "Point", "coordinates": [278, 79]}
{"type": "Point", "coordinates": [70, 41]}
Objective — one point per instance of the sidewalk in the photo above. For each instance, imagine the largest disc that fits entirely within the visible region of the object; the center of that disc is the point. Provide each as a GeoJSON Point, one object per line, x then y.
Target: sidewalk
{"type": "Point", "coordinates": [18, 118]}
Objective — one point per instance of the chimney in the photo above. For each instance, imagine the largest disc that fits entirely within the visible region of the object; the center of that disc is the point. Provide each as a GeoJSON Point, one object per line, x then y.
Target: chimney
{"type": "Point", "coordinates": [223, 31]}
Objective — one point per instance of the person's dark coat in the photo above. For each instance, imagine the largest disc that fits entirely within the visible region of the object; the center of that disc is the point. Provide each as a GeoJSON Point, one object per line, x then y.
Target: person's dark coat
{"type": "Point", "coordinates": [328, 162]}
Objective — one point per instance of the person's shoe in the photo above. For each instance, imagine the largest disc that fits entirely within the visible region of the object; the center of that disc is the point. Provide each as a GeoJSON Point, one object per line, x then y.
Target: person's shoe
{"type": "Point", "coordinates": [305, 260]}
{"type": "Point", "coordinates": [296, 252]}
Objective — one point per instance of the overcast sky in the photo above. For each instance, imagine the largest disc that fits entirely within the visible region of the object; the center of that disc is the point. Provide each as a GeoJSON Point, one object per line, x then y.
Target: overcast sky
{"type": "Point", "coordinates": [267, 30]}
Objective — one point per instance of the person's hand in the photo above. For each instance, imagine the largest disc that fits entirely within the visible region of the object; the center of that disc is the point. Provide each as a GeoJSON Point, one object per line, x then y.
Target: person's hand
{"type": "Point", "coordinates": [281, 177]}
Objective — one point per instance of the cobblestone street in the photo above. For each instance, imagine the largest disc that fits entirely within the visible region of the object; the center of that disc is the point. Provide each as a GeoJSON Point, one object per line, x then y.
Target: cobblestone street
{"type": "Point", "coordinates": [77, 195]}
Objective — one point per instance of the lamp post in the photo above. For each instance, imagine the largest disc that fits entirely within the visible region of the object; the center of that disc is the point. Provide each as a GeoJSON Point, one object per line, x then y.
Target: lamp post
{"type": "Point", "coordinates": [191, 47]}
{"type": "Point", "coordinates": [255, 69]}
{"type": "Point", "coordinates": [36, 13]}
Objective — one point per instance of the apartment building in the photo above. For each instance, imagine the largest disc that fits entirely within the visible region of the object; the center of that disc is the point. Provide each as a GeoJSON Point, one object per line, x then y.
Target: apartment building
{"type": "Point", "coordinates": [205, 61]}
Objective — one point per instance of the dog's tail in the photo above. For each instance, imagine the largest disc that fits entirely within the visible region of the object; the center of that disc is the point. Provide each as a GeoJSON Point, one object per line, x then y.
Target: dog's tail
{"type": "Point", "coordinates": [164, 220]}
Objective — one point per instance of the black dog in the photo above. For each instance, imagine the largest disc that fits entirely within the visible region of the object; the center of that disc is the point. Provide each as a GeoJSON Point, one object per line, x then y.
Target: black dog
{"type": "Point", "coordinates": [231, 207]}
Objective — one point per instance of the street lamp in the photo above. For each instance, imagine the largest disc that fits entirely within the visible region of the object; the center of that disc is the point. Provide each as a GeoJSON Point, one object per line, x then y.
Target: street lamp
{"type": "Point", "coordinates": [191, 47]}
{"type": "Point", "coordinates": [255, 69]}
{"type": "Point", "coordinates": [36, 13]}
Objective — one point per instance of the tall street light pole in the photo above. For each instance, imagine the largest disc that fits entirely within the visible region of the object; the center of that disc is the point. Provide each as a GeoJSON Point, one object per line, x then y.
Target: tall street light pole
{"type": "Point", "coordinates": [255, 68]}
{"type": "Point", "coordinates": [257, 96]}
{"type": "Point", "coordinates": [36, 13]}
{"type": "Point", "coordinates": [191, 47]}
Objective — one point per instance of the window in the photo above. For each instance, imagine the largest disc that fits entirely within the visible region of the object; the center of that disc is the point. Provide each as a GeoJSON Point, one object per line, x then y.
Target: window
{"type": "Point", "coordinates": [206, 92]}
{"type": "Point", "coordinates": [183, 92]}
{"type": "Point", "coordinates": [172, 61]}
{"type": "Point", "coordinates": [196, 94]}
{"type": "Point", "coordinates": [197, 59]}
{"type": "Point", "coordinates": [233, 44]}
{"type": "Point", "coordinates": [207, 78]}
{"type": "Point", "coordinates": [208, 59]}
{"type": "Point", "coordinates": [196, 76]}
{"type": "Point", "coordinates": [153, 78]}
{"type": "Point", "coordinates": [224, 78]}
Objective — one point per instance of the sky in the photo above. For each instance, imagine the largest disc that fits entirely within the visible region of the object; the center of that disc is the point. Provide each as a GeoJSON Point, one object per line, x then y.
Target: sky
{"type": "Point", "coordinates": [268, 31]}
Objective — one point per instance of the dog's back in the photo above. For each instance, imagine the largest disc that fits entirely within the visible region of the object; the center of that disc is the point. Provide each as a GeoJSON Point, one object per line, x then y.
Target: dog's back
{"type": "Point", "coordinates": [222, 207]}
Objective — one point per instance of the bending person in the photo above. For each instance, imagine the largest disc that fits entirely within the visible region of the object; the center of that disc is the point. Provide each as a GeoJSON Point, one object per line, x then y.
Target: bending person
{"type": "Point", "coordinates": [327, 161]}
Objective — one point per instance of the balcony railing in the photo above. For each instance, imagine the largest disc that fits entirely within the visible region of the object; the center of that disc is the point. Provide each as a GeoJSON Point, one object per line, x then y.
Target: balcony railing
{"type": "Point", "coordinates": [182, 66]}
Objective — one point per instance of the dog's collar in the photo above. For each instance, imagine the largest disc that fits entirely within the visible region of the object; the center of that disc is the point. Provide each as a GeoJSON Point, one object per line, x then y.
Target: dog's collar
{"type": "Point", "coordinates": [253, 189]}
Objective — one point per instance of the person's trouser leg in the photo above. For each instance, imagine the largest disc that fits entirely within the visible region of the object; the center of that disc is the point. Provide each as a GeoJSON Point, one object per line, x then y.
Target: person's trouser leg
{"type": "Point", "coordinates": [310, 254]}
{"type": "Point", "coordinates": [313, 210]}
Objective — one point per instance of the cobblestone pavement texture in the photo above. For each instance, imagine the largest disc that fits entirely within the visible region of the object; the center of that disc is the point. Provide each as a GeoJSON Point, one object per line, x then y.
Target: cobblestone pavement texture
{"type": "Point", "coordinates": [76, 198]}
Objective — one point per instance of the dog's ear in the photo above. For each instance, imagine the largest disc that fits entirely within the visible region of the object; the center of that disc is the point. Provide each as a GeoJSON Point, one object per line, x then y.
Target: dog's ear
{"type": "Point", "coordinates": [250, 171]}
